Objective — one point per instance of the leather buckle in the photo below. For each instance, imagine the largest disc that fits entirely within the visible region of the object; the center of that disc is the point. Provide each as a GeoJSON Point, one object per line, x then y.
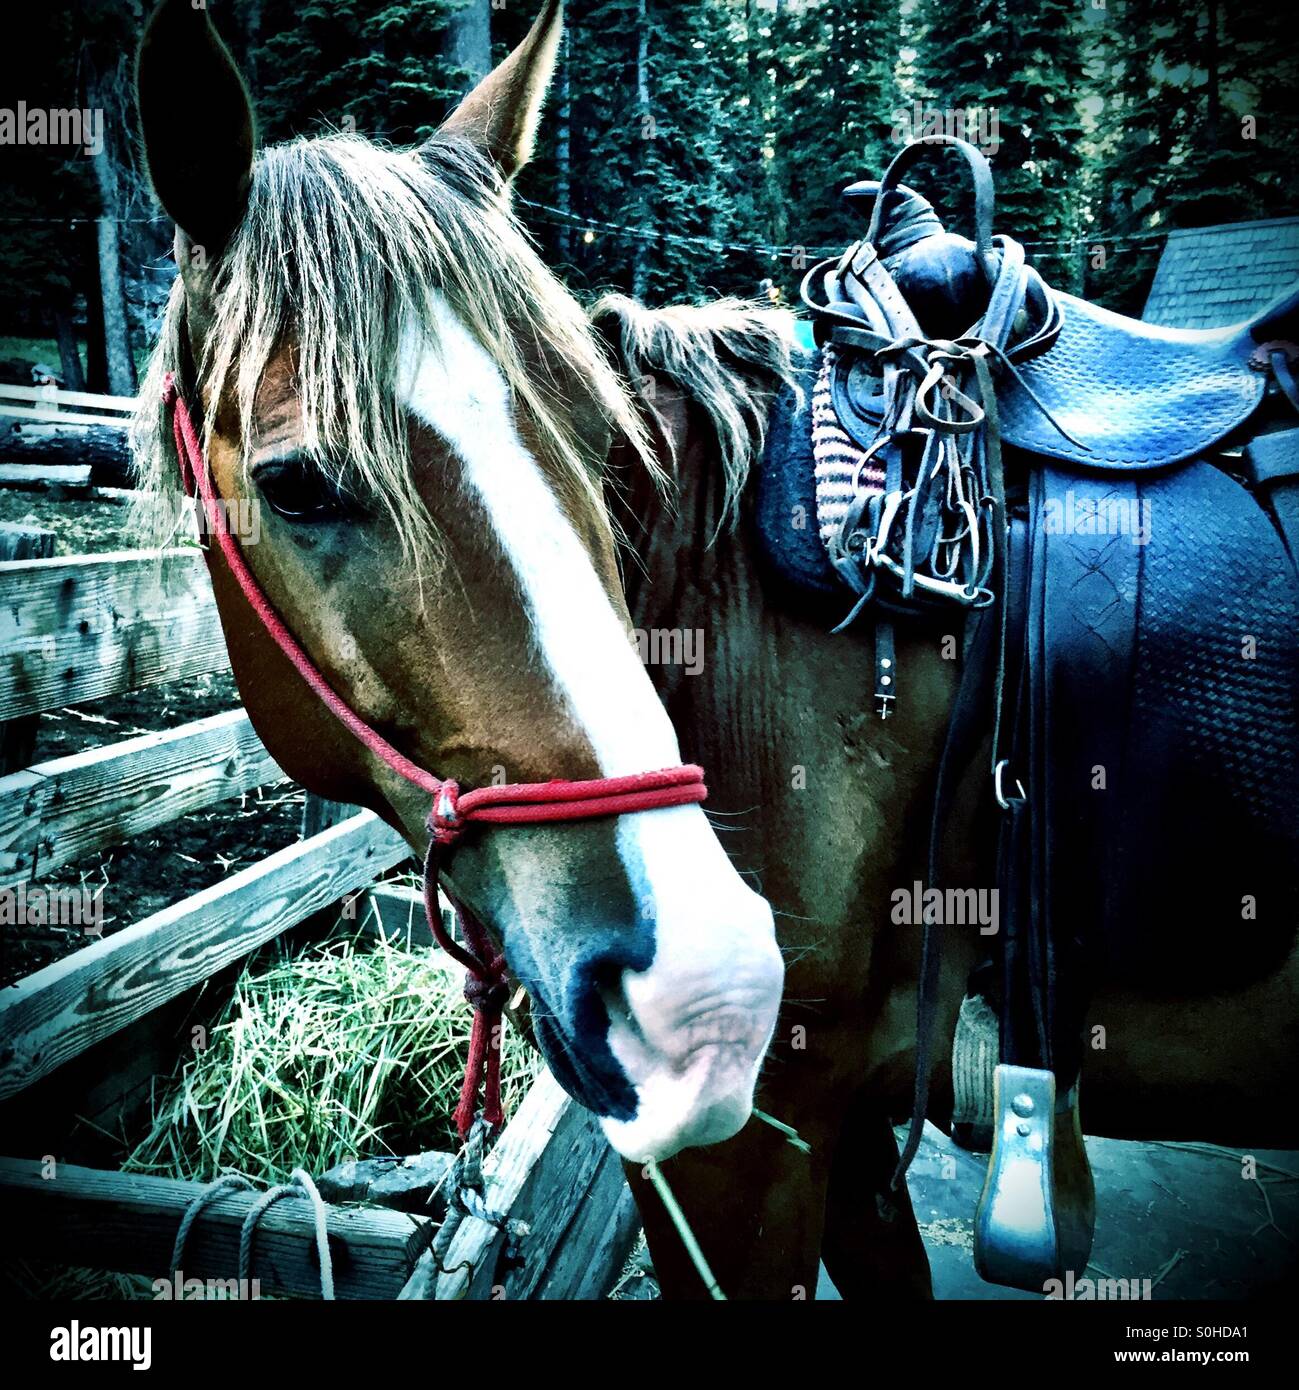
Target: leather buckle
{"type": "Point", "coordinates": [860, 258]}
{"type": "Point", "coordinates": [998, 773]}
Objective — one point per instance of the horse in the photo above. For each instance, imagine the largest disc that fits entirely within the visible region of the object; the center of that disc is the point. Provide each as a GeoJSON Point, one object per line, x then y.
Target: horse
{"type": "Point", "coordinates": [476, 498]}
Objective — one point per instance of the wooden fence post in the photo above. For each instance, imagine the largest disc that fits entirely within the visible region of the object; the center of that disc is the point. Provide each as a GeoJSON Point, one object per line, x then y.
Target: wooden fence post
{"type": "Point", "coordinates": [319, 813]}
{"type": "Point", "coordinates": [18, 736]}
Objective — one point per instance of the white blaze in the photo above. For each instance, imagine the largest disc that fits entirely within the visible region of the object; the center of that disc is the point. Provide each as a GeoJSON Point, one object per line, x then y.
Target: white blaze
{"type": "Point", "coordinates": [459, 390]}
{"type": "Point", "coordinates": [708, 923]}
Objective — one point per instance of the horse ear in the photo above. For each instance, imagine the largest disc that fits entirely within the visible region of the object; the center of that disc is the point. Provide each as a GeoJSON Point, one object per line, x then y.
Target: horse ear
{"type": "Point", "coordinates": [197, 123]}
{"type": "Point", "coordinates": [502, 113]}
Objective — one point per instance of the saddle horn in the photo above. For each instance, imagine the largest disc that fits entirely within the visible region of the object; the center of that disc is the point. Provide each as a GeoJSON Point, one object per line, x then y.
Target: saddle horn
{"type": "Point", "coordinates": [945, 278]}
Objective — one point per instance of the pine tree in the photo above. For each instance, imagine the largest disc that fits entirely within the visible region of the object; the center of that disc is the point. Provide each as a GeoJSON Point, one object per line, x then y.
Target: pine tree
{"type": "Point", "coordinates": [1198, 125]}
{"type": "Point", "coordinates": [685, 142]}
{"type": "Point", "coordinates": [385, 70]}
{"type": "Point", "coordinates": [1022, 63]}
{"type": "Point", "coordinates": [834, 96]}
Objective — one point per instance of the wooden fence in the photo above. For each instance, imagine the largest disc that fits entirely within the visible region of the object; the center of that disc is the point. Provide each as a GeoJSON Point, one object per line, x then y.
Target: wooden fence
{"type": "Point", "coordinates": [85, 628]}
{"type": "Point", "coordinates": [54, 406]}
{"type": "Point", "coordinates": [63, 439]}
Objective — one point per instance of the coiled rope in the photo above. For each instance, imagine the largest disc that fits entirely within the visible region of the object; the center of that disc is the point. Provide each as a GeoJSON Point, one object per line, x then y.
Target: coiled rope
{"type": "Point", "coordinates": [300, 1185]}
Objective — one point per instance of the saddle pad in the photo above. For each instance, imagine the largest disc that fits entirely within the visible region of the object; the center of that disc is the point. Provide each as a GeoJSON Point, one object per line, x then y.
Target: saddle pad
{"type": "Point", "coordinates": [837, 455]}
{"type": "Point", "coordinates": [1135, 394]}
{"type": "Point", "coordinates": [784, 515]}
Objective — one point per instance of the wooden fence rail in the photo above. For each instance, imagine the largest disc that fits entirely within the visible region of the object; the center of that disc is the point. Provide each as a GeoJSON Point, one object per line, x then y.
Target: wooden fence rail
{"type": "Point", "coordinates": [83, 628]}
{"type": "Point", "coordinates": [128, 1222]}
{"type": "Point", "coordinates": [58, 1012]}
{"type": "Point", "coordinates": [56, 811]}
{"type": "Point", "coordinates": [52, 396]}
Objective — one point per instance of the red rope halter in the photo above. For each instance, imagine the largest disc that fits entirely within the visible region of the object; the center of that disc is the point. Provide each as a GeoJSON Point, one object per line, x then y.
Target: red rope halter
{"type": "Point", "coordinates": [515, 803]}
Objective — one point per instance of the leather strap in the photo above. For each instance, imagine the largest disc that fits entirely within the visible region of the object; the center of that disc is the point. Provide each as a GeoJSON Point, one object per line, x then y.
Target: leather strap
{"type": "Point", "coordinates": [984, 193]}
{"type": "Point", "coordinates": [965, 729]}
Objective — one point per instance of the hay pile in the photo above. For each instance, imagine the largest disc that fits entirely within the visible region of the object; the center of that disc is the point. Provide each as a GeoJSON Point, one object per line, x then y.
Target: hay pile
{"type": "Point", "coordinates": [349, 1049]}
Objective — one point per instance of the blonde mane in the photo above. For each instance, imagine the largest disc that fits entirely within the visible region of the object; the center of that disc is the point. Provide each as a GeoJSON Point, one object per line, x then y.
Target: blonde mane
{"type": "Point", "coordinates": [730, 357]}
{"type": "Point", "coordinates": [343, 245]}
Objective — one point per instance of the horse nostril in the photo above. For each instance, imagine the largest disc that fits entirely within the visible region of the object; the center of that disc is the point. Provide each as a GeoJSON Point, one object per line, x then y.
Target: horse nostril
{"type": "Point", "coordinates": [618, 1007]}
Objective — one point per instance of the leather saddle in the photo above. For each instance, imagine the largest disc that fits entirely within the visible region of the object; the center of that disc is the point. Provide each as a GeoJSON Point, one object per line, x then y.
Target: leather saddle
{"type": "Point", "coordinates": [1113, 508]}
{"type": "Point", "coordinates": [1131, 394]}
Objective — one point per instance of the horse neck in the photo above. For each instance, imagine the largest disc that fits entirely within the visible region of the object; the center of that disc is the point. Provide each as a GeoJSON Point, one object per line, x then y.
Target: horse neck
{"type": "Point", "coordinates": [744, 715]}
{"type": "Point", "coordinates": [685, 565]}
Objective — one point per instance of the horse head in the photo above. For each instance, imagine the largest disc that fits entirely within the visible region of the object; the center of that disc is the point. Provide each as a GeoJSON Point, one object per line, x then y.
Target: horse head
{"type": "Point", "coordinates": [416, 413]}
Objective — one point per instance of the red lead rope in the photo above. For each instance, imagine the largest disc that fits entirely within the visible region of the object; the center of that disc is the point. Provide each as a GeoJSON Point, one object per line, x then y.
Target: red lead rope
{"type": "Point", "coordinates": [515, 803]}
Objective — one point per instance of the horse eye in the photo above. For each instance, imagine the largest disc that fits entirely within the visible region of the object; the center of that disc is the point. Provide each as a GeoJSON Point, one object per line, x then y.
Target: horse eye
{"type": "Point", "coordinates": [297, 490]}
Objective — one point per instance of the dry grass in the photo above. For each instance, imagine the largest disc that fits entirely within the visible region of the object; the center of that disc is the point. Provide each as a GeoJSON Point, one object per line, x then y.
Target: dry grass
{"type": "Point", "coordinates": [346, 1050]}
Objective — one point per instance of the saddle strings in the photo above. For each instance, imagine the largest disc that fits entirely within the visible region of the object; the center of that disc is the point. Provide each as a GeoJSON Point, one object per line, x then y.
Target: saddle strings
{"type": "Point", "coordinates": [946, 391]}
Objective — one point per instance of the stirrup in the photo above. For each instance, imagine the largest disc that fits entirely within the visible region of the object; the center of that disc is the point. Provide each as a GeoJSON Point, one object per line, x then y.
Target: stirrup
{"type": "Point", "coordinates": [1036, 1215]}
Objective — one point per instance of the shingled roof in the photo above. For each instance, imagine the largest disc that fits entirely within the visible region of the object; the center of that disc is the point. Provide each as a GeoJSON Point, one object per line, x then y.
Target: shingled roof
{"type": "Point", "coordinates": [1212, 276]}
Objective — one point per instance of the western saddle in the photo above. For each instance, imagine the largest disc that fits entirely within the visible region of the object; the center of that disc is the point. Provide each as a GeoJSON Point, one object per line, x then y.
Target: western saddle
{"type": "Point", "coordinates": [1113, 509]}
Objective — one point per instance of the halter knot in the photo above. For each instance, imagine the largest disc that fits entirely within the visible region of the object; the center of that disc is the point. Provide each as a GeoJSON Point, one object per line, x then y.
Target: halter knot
{"type": "Point", "coordinates": [444, 822]}
{"type": "Point", "coordinates": [488, 992]}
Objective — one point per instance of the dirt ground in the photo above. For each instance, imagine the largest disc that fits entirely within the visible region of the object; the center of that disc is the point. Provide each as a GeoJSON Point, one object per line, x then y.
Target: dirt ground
{"type": "Point", "coordinates": [180, 858]}
{"type": "Point", "coordinates": [89, 527]}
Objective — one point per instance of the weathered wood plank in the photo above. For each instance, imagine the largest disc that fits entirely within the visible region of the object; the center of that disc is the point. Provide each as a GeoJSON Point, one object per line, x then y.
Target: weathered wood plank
{"type": "Point", "coordinates": [588, 1260]}
{"type": "Point", "coordinates": [319, 813]}
{"type": "Point", "coordinates": [18, 736]}
{"type": "Point", "coordinates": [59, 810]}
{"type": "Point", "coordinates": [555, 1201]}
{"type": "Point", "coordinates": [396, 912]}
{"type": "Point", "coordinates": [539, 1172]}
{"type": "Point", "coordinates": [82, 628]}
{"type": "Point", "coordinates": [62, 417]}
{"type": "Point", "coordinates": [81, 1110]}
{"type": "Point", "coordinates": [128, 1222]}
{"type": "Point", "coordinates": [57, 396]}
{"type": "Point", "coordinates": [38, 477]}
{"type": "Point", "coordinates": [61, 1010]}
{"type": "Point", "coordinates": [119, 496]}
{"type": "Point", "coordinates": [103, 448]}
{"type": "Point", "coordinates": [19, 542]}
{"type": "Point", "coordinates": [476, 1245]}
